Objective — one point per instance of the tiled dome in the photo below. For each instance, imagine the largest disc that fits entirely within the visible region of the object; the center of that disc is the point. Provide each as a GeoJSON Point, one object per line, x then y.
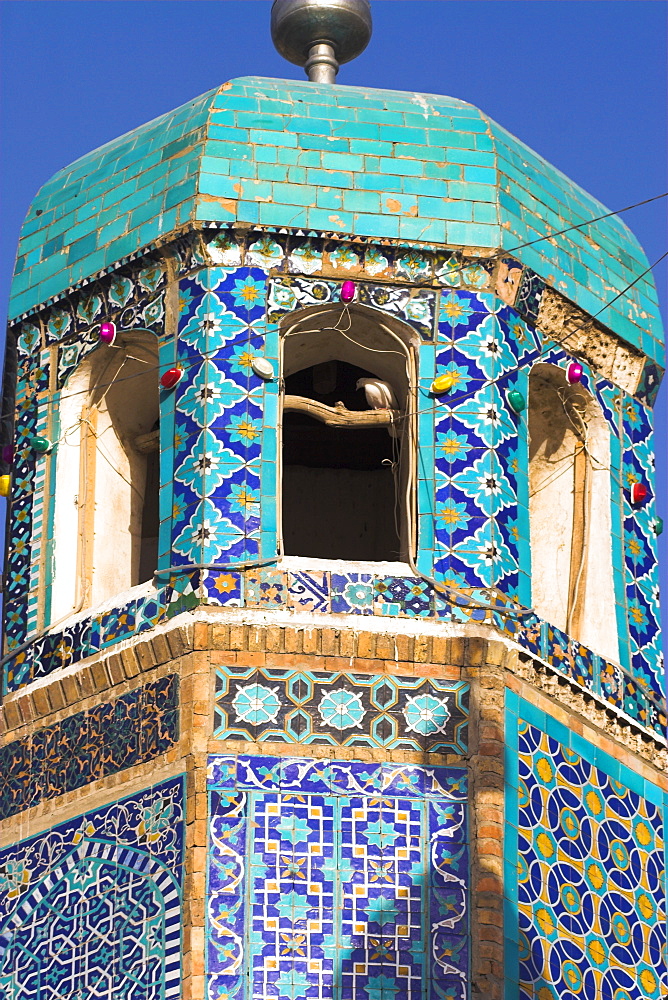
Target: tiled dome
{"type": "Point", "coordinates": [369, 163]}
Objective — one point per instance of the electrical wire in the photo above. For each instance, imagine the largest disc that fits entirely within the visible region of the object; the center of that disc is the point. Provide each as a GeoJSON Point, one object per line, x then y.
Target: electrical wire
{"type": "Point", "coordinates": [200, 357]}
{"type": "Point", "coordinates": [587, 222]}
{"type": "Point", "coordinates": [442, 588]}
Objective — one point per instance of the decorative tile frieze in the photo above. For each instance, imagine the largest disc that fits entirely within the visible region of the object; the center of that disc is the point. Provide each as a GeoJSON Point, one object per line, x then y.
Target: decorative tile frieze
{"type": "Point", "coordinates": [341, 709]}
{"type": "Point", "coordinates": [585, 868]}
{"type": "Point", "coordinates": [89, 745]}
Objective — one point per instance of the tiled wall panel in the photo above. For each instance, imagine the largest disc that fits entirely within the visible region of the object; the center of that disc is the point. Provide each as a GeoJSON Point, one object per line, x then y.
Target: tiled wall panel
{"type": "Point", "coordinates": [92, 907]}
{"type": "Point", "coordinates": [336, 879]}
{"type": "Point", "coordinates": [585, 868]}
{"type": "Point", "coordinates": [323, 707]}
{"type": "Point", "coordinates": [104, 740]}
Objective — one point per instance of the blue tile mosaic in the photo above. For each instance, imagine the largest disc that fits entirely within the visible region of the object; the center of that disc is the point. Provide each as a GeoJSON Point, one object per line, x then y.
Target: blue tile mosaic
{"type": "Point", "coordinates": [106, 739]}
{"type": "Point", "coordinates": [586, 900]}
{"type": "Point", "coordinates": [337, 709]}
{"type": "Point", "coordinates": [320, 873]}
{"type": "Point", "coordinates": [220, 490]}
{"type": "Point", "coordinates": [66, 897]}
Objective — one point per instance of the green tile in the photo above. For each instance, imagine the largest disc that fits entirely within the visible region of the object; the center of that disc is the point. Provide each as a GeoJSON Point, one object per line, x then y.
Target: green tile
{"type": "Point", "coordinates": [421, 152]}
{"type": "Point", "coordinates": [371, 147]}
{"type": "Point", "coordinates": [81, 248]}
{"type": "Point", "coordinates": [220, 185]}
{"type": "Point", "coordinates": [274, 171]}
{"type": "Point", "coordinates": [441, 208]}
{"type": "Point", "coordinates": [329, 178]}
{"type": "Point", "coordinates": [364, 146]}
{"type": "Point", "coordinates": [361, 201]}
{"type": "Point", "coordinates": [377, 225]}
{"type": "Point", "coordinates": [283, 215]}
{"type": "Point", "coordinates": [426, 186]}
{"type": "Point", "coordinates": [330, 221]}
{"type": "Point", "coordinates": [323, 143]}
{"type": "Point", "coordinates": [390, 165]}
{"type": "Point", "coordinates": [113, 230]}
{"type": "Point", "coordinates": [227, 134]}
{"type": "Point", "coordinates": [426, 230]}
{"type": "Point", "coordinates": [293, 194]}
{"type": "Point", "coordinates": [342, 161]}
{"type": "Point", "coordinates": [330, 197]}
{"type": "Point", "coordinates": [309, 126]}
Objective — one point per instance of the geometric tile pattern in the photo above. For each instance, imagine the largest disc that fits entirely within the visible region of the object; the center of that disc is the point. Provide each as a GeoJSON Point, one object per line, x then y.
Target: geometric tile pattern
{"type": "Point", "coordinates": [68, 645]}
{"type": "Point", "coordinates": [326, 708]}
{"type": "Point", "coordinates": [215, 465]}
{"type": "Point", "coordinates": [590, 874]}
{"type": "Point", "coordinates": [219, 440]}
{"type": "Point", "coordinates": [92, 907]}
{"type": "Point", "coordinates": [336, 879]}
{"type": "Point", "coordinates": [89, 745]}
{"type": "Point", "coordinates": [415, 306]}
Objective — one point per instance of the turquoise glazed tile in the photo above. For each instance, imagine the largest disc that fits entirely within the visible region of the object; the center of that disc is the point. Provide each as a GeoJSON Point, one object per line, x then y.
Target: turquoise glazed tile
{"type": "Point", "coordinates": [343, 148]}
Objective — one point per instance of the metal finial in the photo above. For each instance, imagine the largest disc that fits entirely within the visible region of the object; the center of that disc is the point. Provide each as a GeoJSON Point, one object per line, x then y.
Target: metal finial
{"type": "Point", "coordinates": [320, 34]}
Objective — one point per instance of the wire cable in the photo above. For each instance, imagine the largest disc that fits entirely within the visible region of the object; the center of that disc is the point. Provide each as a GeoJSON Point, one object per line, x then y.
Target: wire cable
{"type": "Point", "coordinates": [587, 222]}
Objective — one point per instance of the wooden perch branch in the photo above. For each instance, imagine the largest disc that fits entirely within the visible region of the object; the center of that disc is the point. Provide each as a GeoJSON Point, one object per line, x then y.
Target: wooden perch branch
{"type": "Point", "coordinates": [146, 443]}
{"type": "Point", "coordinates": [339, 415]}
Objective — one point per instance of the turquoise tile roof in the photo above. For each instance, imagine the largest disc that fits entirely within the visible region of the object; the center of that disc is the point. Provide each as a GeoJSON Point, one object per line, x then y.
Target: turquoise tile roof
{"type": "Point", "coordinates": [373, 163]}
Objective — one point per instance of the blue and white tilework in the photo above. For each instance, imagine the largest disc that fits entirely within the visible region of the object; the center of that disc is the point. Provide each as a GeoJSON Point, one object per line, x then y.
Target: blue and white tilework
{"type": "Point", "coordinates": [336, 879]}
{"type": "Point", "coordinates": [336, 709]}
{"type": "Point", "coordinates": [585, 868]}
{"type": "Point", "coordinates": [92, 907]}
{"type": "Point", "coordinates": [215, 505]}
{"type": "Point", "coordinates": [219, 451]}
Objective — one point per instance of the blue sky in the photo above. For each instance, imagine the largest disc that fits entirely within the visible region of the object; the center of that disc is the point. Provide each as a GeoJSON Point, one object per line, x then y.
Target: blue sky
{"type": "Point", "coordinates": [582, 83]}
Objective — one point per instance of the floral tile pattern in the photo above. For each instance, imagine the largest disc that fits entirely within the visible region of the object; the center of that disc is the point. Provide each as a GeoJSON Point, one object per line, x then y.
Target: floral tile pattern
{"type": "Point", "coordinates": [65, 897]}
{"type": "Point", "coordinates": [219, 485]}
{"type": "Point", "coordinates": [414, 306]}
{"type": "Point", "coordinates": [135, 728]}
{"type": "Point", "coordinates": [293, 842]}
{"type": "Point", "coordinates": [335, 709]}
{"type": "Point", "coordinates": [587, 871]}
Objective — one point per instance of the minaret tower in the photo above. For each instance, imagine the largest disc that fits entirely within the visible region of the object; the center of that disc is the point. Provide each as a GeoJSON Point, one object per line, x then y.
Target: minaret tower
{"type": "Point", "coordinates": [331, 664]}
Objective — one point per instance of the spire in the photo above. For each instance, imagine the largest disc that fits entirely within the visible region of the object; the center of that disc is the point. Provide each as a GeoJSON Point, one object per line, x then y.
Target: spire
{"type": "Point", "coordinates": [320, 34]}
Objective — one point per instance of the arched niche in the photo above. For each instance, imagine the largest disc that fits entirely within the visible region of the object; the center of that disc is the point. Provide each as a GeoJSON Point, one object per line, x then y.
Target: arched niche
{"type": "Point", "coordinates": [105, 522]}
{"type": "Point", "coordinates": [570, 510]}
{"type": "Point", "coordinates": [347, 491]}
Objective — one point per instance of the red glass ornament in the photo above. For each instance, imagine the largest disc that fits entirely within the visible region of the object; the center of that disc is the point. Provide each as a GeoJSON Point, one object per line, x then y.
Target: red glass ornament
{"type": "Point", "coordinates": [347, 292]}
{"type": "Point", "coordinates": [171, 378]}
{"type": "Point", "coordinates": [638, 493]}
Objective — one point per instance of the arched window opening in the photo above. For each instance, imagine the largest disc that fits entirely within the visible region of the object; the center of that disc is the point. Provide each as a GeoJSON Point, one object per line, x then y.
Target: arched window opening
{"type": "Point", "coordinates": [345, 465]}
{"type": "Point", "coordinates": [107, 476]}
{"type": "Point", "coordinates": [569, 510]}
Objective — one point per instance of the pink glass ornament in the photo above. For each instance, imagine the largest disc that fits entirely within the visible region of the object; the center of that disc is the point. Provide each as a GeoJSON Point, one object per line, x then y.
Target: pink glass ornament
{"type": "Point", "coordinates": [108, 333]}
{"type": "Point", "coordinates": [347, 292]}
{"type": "Point", "coordinates": [574, 373]}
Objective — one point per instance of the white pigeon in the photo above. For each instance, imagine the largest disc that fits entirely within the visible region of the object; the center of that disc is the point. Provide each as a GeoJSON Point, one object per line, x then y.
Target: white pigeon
{"type": "Point", "coordinates": [380, 396]}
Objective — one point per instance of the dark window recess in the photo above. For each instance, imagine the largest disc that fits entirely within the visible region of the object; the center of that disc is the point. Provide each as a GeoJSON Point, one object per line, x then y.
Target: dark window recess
{"type": "Point", "coordinates": [339, 497]}
{"type": "Point", "coordinates": [150, 520]}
